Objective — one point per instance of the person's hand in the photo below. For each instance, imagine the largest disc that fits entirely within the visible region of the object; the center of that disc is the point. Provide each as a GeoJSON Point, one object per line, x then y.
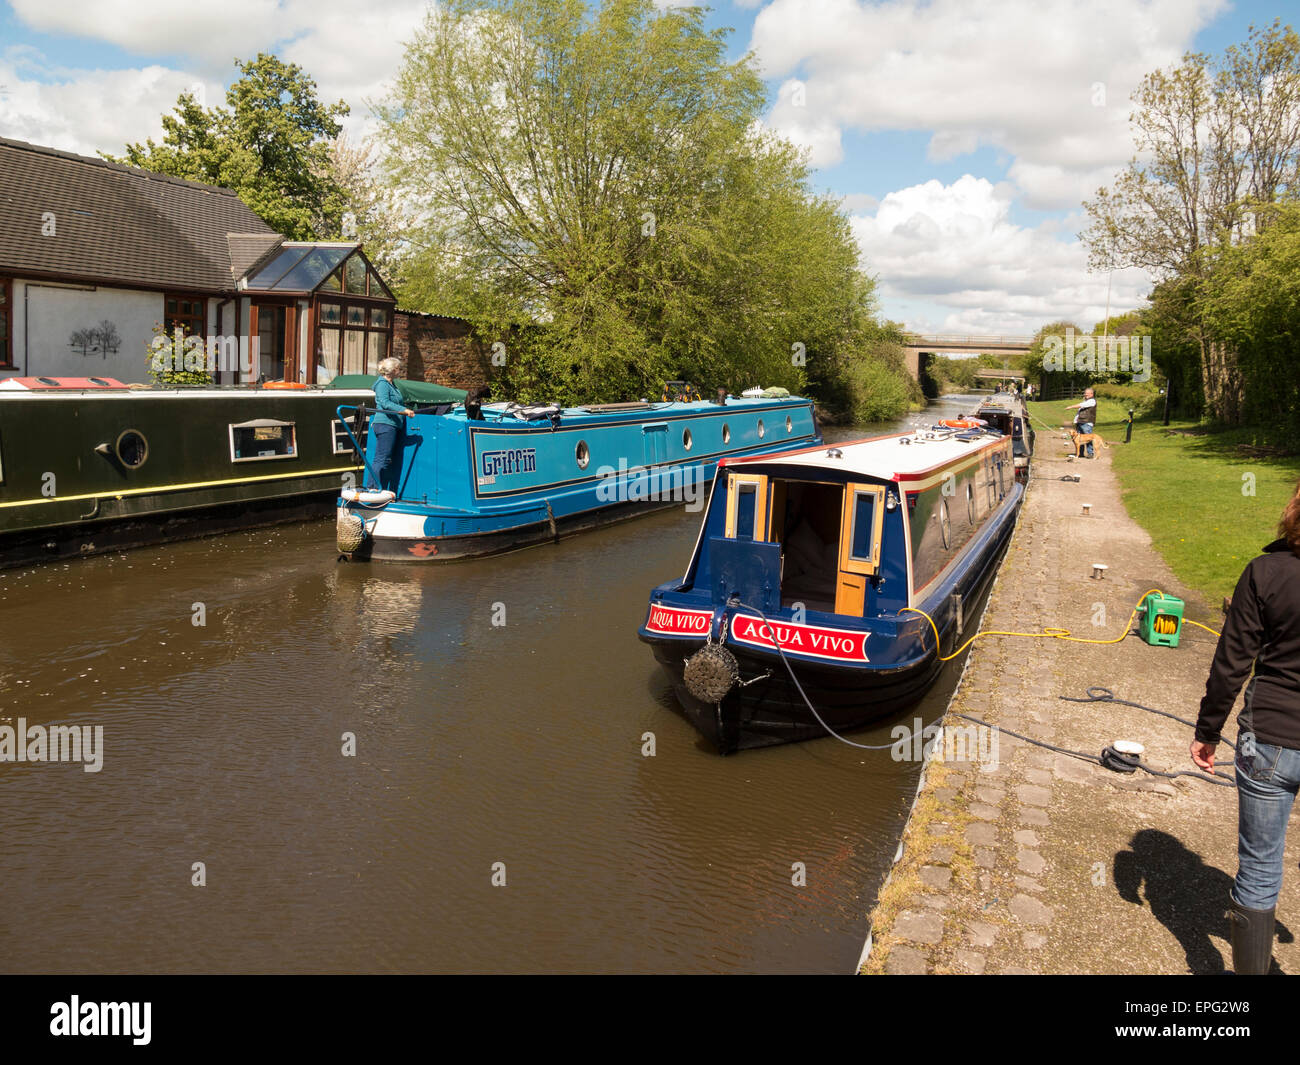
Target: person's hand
{"type": "Point", "coordinates": [409, 413]}
{"type": "Point", "coordinates": [1203, 754]}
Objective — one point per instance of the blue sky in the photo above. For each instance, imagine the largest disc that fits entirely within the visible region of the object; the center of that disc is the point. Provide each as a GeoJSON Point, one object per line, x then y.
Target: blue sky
{"type": "Point", "coordinates": [963, 134]}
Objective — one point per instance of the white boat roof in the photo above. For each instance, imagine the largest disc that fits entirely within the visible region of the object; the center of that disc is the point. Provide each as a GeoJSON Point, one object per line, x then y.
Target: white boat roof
{"type": "Point", "coordinates": [905, 456]}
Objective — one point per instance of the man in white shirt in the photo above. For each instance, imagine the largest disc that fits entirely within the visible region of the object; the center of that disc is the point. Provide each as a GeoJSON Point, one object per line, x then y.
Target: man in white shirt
{"type": "Point", "coordinates": [1087, 416]}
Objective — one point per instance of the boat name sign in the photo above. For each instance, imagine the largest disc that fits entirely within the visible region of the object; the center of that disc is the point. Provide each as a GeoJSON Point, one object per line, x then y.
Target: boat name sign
{"type": "Point", "coordinates": [839, 645]}
{"type": "Point", "coordinates": [674, 622]}
{"type": "Point", "coordinates": [508, 460]}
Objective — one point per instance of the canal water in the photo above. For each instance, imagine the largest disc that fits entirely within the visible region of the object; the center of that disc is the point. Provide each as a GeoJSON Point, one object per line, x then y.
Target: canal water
{"type": "Point", "coordinates": [499, 812]}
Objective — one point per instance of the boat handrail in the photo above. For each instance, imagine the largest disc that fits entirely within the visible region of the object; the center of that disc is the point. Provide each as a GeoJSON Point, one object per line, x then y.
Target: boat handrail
{"type": "Point", "coordinates": [356, 444]}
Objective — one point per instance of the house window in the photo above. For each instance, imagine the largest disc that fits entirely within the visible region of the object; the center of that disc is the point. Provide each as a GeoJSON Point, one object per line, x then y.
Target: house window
{"type": "Point", "coordinates": [6, 322]}
{"type": "Point", "coordinates": [188, 314]}
{"type": "Point", "coordinates": [354, 337]}
{"type": "Point", "coordinates": [262, 438]}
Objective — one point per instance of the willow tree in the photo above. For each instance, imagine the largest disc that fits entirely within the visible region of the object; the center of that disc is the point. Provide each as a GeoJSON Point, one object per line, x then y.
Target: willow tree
{"type": "Point", "coordinates": [1218, 140]}
{"type": "Point", "coordinates": [592, 183]}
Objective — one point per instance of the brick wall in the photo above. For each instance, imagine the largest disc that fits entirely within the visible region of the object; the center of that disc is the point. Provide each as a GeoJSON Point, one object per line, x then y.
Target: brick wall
{"type": "Point", "coordinates": [440, 350]}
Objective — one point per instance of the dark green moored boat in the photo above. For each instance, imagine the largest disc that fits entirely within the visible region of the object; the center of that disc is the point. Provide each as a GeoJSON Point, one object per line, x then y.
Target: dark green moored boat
{"type": "Point", "coordinates": [89, 465]}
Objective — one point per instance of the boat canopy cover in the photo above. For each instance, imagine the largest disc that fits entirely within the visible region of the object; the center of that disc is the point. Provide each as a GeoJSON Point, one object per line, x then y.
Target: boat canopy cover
{"type": "Point", "coordinates": [411, 391]}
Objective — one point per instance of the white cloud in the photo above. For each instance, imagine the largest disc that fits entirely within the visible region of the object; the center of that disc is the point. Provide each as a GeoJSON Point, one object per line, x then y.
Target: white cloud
{"type": "Point", "coordinates": [1024, 76]}
{"type": "Point", "coordinates": [350, 52]}
{"type": "Point", "coordinates": [89, 110]}
{"type": "Point", "coordinates": [205, 28]}
{"type": "Point", "coordinates": [951, 260]}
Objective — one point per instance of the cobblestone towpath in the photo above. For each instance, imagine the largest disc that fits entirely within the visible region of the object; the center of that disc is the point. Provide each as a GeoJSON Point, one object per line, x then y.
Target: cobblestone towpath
{"type": "Point", "coordinates": [1039, 862]}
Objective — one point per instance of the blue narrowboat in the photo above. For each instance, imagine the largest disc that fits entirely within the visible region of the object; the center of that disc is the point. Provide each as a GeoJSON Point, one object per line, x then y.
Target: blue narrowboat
{"type": "Point", "coordinates": [798, 615]}
{"type": "Point", "coordinates": [477, 479]}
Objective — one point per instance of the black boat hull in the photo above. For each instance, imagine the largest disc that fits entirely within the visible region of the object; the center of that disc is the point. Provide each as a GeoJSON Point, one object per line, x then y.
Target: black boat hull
{"type": "Point", "coordinates": [771, 712]}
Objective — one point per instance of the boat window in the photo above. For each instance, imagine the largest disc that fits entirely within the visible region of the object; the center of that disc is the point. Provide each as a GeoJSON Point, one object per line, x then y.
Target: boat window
{"type": "Point", "coordinates": [789, 424]}
{"type": "Point", "coordinates": [746, 507]}
{"type": "Point", "coordinates": [970, 502]}
{"type": "Point", "coordinates": [762, 432]}
{"type": "Point", "coordinates": [260, 439]}
{"type": "Point", "coordinates": [863, 519]}
{"type": "Point", "coordinates": [726, 433]}
{"type": "Point", "coordinates": [342, 442]}
{"type": "Point", "coordinates": [582, 454]}
{"type": "Point", "coordinates": [686, 439]}
{"type": "Point", "coordinates": [945, 527]}
{"type": "Point", "coordinates": [132, 449]}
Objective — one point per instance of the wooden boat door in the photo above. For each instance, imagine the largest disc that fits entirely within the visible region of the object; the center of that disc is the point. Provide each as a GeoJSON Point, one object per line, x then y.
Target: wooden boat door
{"type": "Point", "coordinates": [860, 526]}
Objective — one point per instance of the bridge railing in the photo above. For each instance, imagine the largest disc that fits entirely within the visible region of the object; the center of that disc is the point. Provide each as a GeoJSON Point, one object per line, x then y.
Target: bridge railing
{"type": "Point", "coordinates": [954, 340]}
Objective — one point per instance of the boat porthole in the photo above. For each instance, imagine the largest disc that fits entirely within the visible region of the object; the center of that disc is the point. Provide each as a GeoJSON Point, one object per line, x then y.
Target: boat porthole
{"type": "Point", "coordinates": [970, 502]}
{"type": "Point", "coordinates": [944, 529]}
{"type": "Point", "coordinates": [132, 449]}
{"type": "Point", "coordinates": [762, 432]}
{"type": "Point", "coordinates": [686, 439]}
{"type": "Point", "coordinates": [582, 454]}
{"type": "Point", "coordinates": [789, 424]}
{"type": "Point", "coordinates": [726, 434]}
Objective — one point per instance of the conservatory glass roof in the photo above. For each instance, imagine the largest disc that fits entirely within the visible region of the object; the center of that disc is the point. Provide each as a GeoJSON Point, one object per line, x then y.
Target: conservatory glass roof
{"type": "Point", "coordinates": [306, 267]}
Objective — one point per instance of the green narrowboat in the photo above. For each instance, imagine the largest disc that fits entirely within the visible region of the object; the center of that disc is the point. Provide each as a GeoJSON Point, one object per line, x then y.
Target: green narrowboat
{"type": "Point", "coordinates": [89, 465]}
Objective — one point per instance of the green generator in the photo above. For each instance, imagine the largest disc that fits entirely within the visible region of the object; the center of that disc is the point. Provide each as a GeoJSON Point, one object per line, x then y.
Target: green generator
{"type": "Point", "coordinates": [1161, 619]}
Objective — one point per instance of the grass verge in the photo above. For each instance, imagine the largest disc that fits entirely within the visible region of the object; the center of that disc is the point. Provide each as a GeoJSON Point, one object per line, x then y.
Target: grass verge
{"type": "Point", "coordinates": [1208, 503]}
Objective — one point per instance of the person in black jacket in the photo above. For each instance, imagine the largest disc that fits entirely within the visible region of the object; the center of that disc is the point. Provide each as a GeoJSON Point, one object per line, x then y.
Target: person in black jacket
{"type": "Point", "coordinates": [1262, 630]}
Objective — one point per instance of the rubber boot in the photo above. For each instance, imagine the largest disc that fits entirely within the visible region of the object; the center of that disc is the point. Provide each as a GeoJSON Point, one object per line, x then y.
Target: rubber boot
{"type": "Point", "coordinates": [1252, 939]}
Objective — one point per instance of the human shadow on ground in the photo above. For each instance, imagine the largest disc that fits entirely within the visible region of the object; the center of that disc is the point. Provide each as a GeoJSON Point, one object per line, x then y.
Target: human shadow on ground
{"type": "Point", "coordinates": [1186, 895]}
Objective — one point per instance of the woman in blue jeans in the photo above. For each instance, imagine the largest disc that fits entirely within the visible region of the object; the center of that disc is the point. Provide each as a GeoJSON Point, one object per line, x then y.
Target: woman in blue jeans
{"type": "Point", "coordinates": [386, 425]}
{"type": "Point", "coordinates": [1262, 630]}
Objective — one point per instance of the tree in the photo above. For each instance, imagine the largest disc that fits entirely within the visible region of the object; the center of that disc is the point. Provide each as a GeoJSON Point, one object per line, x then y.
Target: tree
{"type": "Point", "coordinates": [595, 176]}
{"type": "Point", "coordinates": [1217, 141]}
{"type": "Point", "coordinates": [1252, 300]}
{"type": "Point", "coordinates": [269, 144]}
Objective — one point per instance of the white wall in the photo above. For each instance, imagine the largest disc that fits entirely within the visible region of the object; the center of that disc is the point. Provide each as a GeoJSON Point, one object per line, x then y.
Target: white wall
{"type": "Point", "coordinates": [46, 315]}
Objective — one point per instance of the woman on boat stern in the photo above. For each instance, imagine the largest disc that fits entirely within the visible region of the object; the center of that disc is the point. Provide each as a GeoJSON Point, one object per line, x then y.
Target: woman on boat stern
{"type": "Point", "coordinates": [1262, 629]}
{"type": "Point", "coordinates": [386, 426]}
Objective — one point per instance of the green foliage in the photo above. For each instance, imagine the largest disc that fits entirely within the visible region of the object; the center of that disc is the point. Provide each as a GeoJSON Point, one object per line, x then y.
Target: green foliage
{"type": "Point", "coordinates": [1251, 301]}
{"type": "Point", "coordinates": [595, 193]}
{"type": "Point", "coordinates": [1142, 399]}
{"type": "Point", "coordinates": [269, 144]}
{"type": "Point", "coordinates": [1218, 143]}
{"type": "Point", "coordinates": [168, 359]}
{"type": "Point", "coordinates": [1175, 327]}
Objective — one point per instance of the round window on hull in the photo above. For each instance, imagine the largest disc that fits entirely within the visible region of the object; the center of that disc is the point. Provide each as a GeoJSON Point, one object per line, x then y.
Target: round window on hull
{"type": "Point", "coordinates": [789, 424]}
{"type": "Point", "coordinates": [687, 439]}
{"type": "Point", "coordinates": [726, 434]}
{"type": "Point", "coordinates": [582, 454]}
{"type": "Point", "coordinates": [132, 449]}
{"type": "Point", "coordinates": [762, 430]}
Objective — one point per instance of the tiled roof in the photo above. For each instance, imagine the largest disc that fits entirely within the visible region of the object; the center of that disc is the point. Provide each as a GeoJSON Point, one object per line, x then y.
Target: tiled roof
{"type": "Point", "coordinates": [250, 249]}
{"type": "Point", "coordinates": [118, 223]}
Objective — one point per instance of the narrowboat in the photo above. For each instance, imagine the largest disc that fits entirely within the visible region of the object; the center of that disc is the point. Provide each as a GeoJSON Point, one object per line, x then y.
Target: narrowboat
{"type": "Point", "coordinates": [1007, 412]}
{"type": "Point", "coordinates": [474, 479]}
{"type": "Point", "coordinates": [89, 465]}
{"type": "Point", "coordinates": [798, 614]}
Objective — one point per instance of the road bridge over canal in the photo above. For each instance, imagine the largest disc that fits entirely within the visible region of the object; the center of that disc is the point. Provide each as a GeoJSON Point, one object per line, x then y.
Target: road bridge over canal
{"type": "Point", "coordinates": [920, 345]}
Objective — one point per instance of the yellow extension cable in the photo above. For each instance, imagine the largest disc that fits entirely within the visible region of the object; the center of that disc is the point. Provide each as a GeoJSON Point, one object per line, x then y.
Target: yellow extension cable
{"type": "Point", "coordinates": [1048, 633]}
